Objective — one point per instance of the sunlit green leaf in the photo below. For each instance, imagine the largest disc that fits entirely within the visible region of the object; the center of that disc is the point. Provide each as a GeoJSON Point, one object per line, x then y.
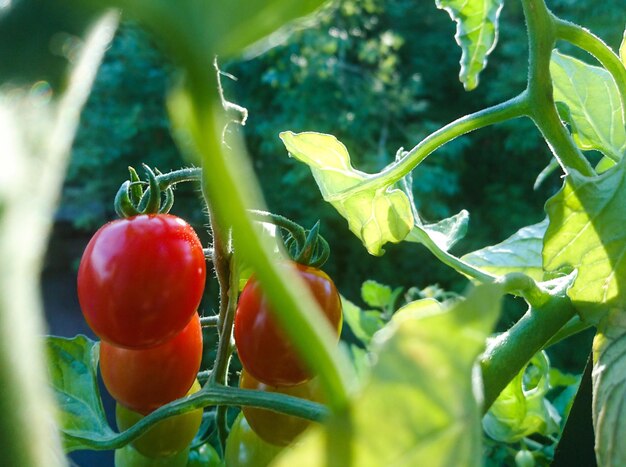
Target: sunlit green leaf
{"type": "Point", "coordinates": [73, 366]}
{"type": "Point", "coordinates": [419, 406]}
{"type": "Point", "coordinates": [363, 323]}
{"type": "Point", "coordinates": [622, 49]}
{"type": "Point", "coordinates": [376, 294]}
{"type": "Point", "coordinates": [593, 105]}
{"type": "Point", "coordinates": [375, 216]}
{"type": "Point", "coordinates": [522, 408]}
{"type": "Point", "coordinates": [609, 390]}
{"type": "Point", "coordinates": [521, 252]}
{"type": "Point", "coordinates": [586, 232]}
{"type": "Point", "coordinates": [476, 33]}
{"type": "Point", "coordinates": [444, 233]}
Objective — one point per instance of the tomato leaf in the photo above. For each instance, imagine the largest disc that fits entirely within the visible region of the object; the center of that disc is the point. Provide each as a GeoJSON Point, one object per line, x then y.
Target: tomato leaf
{"type": "Point", "coordinates": [364, 324]}
{"type": "Point", "coordinates": [419, 405]}
{"type": "Point", "coordinates": [375, 294]}
{"type": "Point", "coordinates": [73, 366]}
{"type": "Point", "coordinates": [476, 34]}
{"type": "Point", "coordinates": [445, 233]}
{"type": "Point", "coordinates": [521, 252]}
{"type": "Point", "coordinates": [586, 232]}
{"type": "Point", "coordinates": [520, 411]}
{"type": "Point", "coordinates": [376, 216]}
{"type": "Point", "coordinates": [609, 389]}
{"type": "Point", "coordinates": [593, 105]}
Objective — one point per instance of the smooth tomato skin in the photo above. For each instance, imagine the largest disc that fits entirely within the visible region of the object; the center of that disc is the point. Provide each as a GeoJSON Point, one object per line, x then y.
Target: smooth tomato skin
{"type": "Point", "coordinates": [130, 457]}
{"type": "Point", "coordinates": [145, 379]}
{"type": "Point", "coordinates": [204, 456]}
{"type": "Point", "coordinates": [140, 279]}
{"type": "Point", "coordinates": [167, 437]}
{"type": "Point", "coordinates": [245, 449]}
{"type": "Point", "coordinates": [275, 428]}
{"type": "Point", "coordinates": [262, 347]}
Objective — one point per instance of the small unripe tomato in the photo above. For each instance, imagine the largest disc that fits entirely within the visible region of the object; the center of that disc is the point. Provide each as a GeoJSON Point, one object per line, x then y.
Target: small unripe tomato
{"type": "Point", "coordinates": [168, 436]}
{"type": "Point", "coordinates": [245, 449]}
{"type": "Point", "coordinates": [275, 428]}
{"type": "Point", "coordinates": [130, 457]}
{"type": "Point", "coordinates": [263, 348]}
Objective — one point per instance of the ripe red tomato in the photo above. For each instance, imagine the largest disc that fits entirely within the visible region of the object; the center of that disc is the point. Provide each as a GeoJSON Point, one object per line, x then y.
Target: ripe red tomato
{"type": "Point", "coordinates": [145, 379]}
{"type": "Point", "coordinates": [272, 427]}
{"type": "Point", "coordinates": [141, 279]}
{"type": "Point", "coordinates": [263, 349]}
{"type": "Point", "coordinates": [168, 436]}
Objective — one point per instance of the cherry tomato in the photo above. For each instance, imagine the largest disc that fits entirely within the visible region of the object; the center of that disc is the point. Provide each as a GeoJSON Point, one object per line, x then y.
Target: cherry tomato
{"type": "Point", "coordinates": [204, 456]}
{"type": "Point", "coordinates": [145, 379]}
{"type": "Point", "coordinates": [245, 449]}
{"type": "Point", "coordinates": [263, 349]}
{"type": "Point", "coordinates": [130, 457]}
{"type": "Point", "coordinates": [168, 436]}
{"type": "Point", "coordinates": [275, 428]}
{"type": "Point", "coordinates": [140, 279]}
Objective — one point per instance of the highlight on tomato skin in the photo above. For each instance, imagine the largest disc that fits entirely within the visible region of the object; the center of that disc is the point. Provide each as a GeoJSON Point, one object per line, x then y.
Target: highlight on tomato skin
{"type": "Point", "coordinates": [264, 350]}
{"type": "Point", "coordinates": [141, 279]}
{"type": "Point", "coordinates": [145, 379]}
{"type": "Point", "coordinates": [272, 427]}
{"type": "Point", "coordinates": [167, 437]}
{"type": "Point", "coordinates": [244, 448]}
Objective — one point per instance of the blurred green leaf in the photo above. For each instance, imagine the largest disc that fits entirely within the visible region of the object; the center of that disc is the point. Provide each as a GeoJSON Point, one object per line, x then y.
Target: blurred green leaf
{"type": "Point", "coordinates": [609, 390]}
{"type": "Point", "coordinates": [586, 232]}
{"type": "Point", "coordinates": [418, 407]}
{"type": "Point", "coordinates": [593, 105]}
{"type": "Point", "coordinates": [73, 367]}
{"type": "Point", "coordinates": [522, 408]}
{"type": "Point", "coordinates": [521, 252]}
{"type": "Point", "coordinates": [476, 33]}
{"type": "Point", "coordinates": [375, 216]}
{"type": "Point", "coordinates": [363, 323]}
{"type": "Point", "coordinates": [376, 294]}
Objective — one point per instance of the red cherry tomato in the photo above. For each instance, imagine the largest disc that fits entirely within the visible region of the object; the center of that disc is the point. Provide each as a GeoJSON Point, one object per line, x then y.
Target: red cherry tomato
{"type": "Point", "coordinates": [141, 279]}
{"type": "Point", "coordinates": [263, 348]}
{"type": "Point", "coordinates": [145, 379]}
{"type": "Point", "coordinates": [272, 427]}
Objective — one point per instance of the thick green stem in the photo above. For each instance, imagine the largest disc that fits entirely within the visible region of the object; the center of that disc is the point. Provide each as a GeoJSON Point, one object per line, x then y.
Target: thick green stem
{"type": "Point", "coordinates": [507, 354]}
{"type": "Point", "coordinates": [587, 41]}
{"type": "Point", "coordinates": [513, 108]}
{"type": "Point", "coordinates": [541, 40]}
{"type": "Point", "coordinates": [215, 395]}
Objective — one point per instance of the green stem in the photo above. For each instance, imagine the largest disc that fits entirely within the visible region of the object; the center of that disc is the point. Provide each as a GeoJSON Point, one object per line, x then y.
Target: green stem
{"type": "Point", "coordinates": [513, 108]}
{"type": "Point", "coordinates": [592, 44]}
{"type": "Point", "coordinates": [541, 40]}
{"type": "Point", "coordinates": [213, 395]}
{"type": "Point", "coordinates": [507, 354]}
{"type": "Point", "coordinates": [191, 174]}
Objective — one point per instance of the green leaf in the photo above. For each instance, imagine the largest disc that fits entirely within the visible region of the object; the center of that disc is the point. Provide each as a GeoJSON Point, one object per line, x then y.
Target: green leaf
{"type": "Point", "coordinates": [375, 294]}
{"type": "Point", "coordinates": [593, 105]}
{"type": "Point", "coordinates": [522, 408]}
{"type": "Point", "coordinates": [521, 252]}
{"type": "Point", "coordinates": [586, 233]}
{"type": "Point", "coordinates": [73, 367]}
{"type": "Point", "coordinates": [622, 49]}
{"type": "Point", "coordinates": [364, 324]}
{"type": "Point", "coordinates": [445, 233]}
{"type": "Point", "coordinates": [376, 216]}
{"type": "Point", "coordinates": [476, 33]}
{"type": "Point", "coordinates": [418, 407]}
{"type": "Point", "coordinates": [609, 390]}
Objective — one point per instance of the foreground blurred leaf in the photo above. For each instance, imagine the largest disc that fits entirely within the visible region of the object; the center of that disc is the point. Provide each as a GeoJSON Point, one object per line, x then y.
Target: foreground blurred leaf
{"type": "Point", "coordinates": [419, 407]}
{"type": "Point", "coordinates": [376, 216]}
{"type": "Point", "coordinates": [73, 367]}
{"type": "Point", "coordinates": [521, 252]}
{"type": "Point", "coordinates": [586, 232]}
{"type": "Point", "coordinates": [476, 33]}
{"type": "Point", "coordinates": [609, 390]}
{"type": "Point", "coordinates": [593, 105]}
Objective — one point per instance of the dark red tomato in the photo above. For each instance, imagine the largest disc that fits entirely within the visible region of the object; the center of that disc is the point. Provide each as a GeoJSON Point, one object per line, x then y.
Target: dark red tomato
{"type": "Point", "coordinates": [145, 379]}
{"type": "Point", "coordinates": [263, 348]}
{"type": "Point", "coordinates": [275, 428]}
{"type": "Point", "coordinates": [141, 279]}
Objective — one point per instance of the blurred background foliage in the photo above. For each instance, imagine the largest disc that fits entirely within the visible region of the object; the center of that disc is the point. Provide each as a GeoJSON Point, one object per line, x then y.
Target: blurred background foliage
{"type": "Point", "coordinates": [377, 74]}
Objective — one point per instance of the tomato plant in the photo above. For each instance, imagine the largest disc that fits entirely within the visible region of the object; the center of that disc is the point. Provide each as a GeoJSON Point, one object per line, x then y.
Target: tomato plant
{"type": "Point", "coordinates": [264, 350]}
{"type": "Point", "coordinates": [141, 279]}
{"type": "Point", "coordinates": [275, 428]}
{"type": "Point", "coordinates": [145, 379]}
{"type": "Point", "coordinates": [244, 448]}
{"type": "Point", "coordinates": [167, 437]}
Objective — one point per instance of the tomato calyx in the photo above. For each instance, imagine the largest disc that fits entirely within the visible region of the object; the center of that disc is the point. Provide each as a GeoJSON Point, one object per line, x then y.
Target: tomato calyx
{"type": "Point", "coordinates": [306, 247]}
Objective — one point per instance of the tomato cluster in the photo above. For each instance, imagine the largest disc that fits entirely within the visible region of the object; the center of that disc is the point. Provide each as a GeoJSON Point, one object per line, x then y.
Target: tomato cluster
{"type": "Point", "coordinates": [268, 357]}
{"type": "Point", "coordinates": [140, 282]}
